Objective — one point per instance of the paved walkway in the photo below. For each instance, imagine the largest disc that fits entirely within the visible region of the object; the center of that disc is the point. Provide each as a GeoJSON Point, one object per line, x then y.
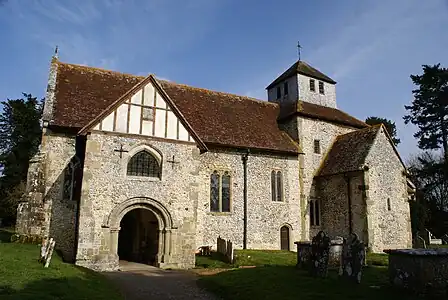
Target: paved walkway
{"type": "Point", "coordinates": [139, 281]}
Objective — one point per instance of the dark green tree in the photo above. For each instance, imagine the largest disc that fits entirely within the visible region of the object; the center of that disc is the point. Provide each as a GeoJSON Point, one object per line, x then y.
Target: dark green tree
{"type": "Point", "coordinates": [20, 135]}
{"type": "Point", "coordinates": [390, 127]}
{"type": "Point", "coordinates": [429, 109]}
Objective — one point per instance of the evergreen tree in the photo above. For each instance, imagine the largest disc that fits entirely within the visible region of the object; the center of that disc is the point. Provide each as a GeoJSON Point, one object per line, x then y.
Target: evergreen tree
{"type": "Point", "coordinates": [390, 127]}
{"type": "Point", "coordinates": [20, 134]}
{"type": "Point", "coordinates": [429, 109]}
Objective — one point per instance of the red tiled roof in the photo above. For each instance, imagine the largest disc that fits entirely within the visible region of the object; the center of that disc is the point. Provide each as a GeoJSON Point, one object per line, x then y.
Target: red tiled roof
{"type": "Point", "coordinates": [319, 112]}
{"type": "Point", "coordinates": [220, 119]}
{"type": "Point", "coordinates": [301, 67]}
{"type": "Point", "coordinates": [84, 92]}
{"type": "Point", "coordinates": [349, 151]}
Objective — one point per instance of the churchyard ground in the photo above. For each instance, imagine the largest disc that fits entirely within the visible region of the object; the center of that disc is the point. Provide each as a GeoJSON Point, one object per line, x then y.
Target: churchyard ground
{"type": "Point", "coordinates": [273, 275]}
{"type": "Point", "coordinates": [22, 277]}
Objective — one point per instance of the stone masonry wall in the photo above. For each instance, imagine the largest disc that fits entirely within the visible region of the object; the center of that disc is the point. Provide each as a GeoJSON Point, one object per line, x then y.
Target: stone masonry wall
{"type": "Point", "coordinates": [388, 229]}
{"type": "Point", "coordinates": [45, 212]}
{"type": "Point", "coordinates": [305, 94]}
{"type": "Point", "coordinates": [333, 193]}
{"type": "Point", "coordinates": [326, 133]}
{"type": "Point", "coordinates": [106, 186]}
{"type": "Point", "coordinates": [265, 217]}
{"type": "Point", "coordinates": [62, 213]}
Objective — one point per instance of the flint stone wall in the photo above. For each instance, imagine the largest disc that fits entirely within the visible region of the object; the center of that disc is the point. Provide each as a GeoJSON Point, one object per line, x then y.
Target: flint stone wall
{"type": "Point", "coordinates": [265, 217]}
{"type": "Point", "coordinates": [308, 131]}
{"type": "Point", "coordinates": [44, 211]}
{"type": "Point", "coordinates": [184, 190]}
{"type": "Point", "coordinates": [388, 229]}
{"type": "Point", "coordinates": [106, 186]}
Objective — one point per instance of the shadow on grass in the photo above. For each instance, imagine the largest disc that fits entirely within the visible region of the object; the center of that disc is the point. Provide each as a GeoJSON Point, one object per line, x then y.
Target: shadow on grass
{"type": "Point", "coordinates": [286, 282]}
{"type": "Point", "coordinates": [58, 288]}
{"type": "Point", "coordinates": [215, 260]}
{"type": "Point", "coordinates": [5, 235]}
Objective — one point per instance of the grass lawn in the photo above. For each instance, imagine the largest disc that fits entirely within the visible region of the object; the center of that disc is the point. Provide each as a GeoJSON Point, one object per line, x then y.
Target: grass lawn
{"type": "Point", "coordinates": [22, 277]}
{"type": "Point", "coordinates": [275, 277]}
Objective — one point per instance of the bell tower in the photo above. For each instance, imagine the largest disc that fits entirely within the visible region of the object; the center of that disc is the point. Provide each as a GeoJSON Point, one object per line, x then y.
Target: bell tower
{"type": "Point", "coordinates": [302, 82]}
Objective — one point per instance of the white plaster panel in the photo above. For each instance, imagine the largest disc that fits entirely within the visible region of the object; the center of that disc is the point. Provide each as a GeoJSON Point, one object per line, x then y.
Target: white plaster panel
{"type": "Point", "coordinates": [160, 122]}
{"type": "Point", "coordinates": [183, 133]}
{"type": "Point", "coordinates": [108, 123]}
{"type": "Point", "coordinates": [172, 126]}
{"type": "Point", "coordinates": [122, 118]}
{"type": "Point", "coordinates": [97, 127]}
{"type": "Point", "coordinates": [134, 119]}
{"type": "Point", "coordinates": [149, 95]}
{"type": "Point", "coordinates": [159, 101]}
{"type": "Point", "coordinates": [137, 97]}
{"type": "Point", "coordinates": [147, 127]}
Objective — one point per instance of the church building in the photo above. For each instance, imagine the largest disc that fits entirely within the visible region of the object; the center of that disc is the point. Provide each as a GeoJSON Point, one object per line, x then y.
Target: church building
{"type": "Point", "coordinates": [147, 170]}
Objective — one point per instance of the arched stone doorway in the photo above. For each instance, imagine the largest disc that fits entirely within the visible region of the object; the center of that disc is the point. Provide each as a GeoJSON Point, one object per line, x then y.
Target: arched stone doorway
{"type": "Point", "coordinates": [138, 239]}
{"type": "Point", "coordinates": [130, 214]}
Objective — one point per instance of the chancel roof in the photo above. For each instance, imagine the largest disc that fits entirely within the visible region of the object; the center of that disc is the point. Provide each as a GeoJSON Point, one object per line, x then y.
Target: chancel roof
{"type": "Point", "coordinates": [349, 151]}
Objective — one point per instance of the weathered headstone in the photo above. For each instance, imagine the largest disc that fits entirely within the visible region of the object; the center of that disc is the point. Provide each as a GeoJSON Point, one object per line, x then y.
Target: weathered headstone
{"type": "Point", "coordinates": [352, 260]}
{"type": "Point", "coordinates": [50, 253]}
{"type": "Point", "coordinates": [419, 242]}
{"type": "Point", "coordinates": [43, 250]}
{"type": "Point", "coordinates": [320, 252]}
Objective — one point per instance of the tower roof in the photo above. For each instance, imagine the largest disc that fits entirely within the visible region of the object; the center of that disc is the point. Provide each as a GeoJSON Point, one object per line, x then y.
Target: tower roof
{"type": "Point", "coordinates": [301, 67]}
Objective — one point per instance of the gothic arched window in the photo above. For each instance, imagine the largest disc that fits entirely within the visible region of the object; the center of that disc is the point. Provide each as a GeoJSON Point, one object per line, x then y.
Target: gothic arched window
{"type": "Point", "coordinates": [220, 191]}
{"type": "Point", "coordinates": [143, 164]}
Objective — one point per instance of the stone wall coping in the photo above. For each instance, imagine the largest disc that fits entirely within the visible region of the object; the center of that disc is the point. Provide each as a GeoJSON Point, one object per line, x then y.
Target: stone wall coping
{"type": "Point", "coordinates": [418, 252]}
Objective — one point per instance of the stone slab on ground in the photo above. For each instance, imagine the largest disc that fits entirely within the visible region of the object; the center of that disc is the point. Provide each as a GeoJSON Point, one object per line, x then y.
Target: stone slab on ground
{"type": "Point", "coordinates": [138, 282]}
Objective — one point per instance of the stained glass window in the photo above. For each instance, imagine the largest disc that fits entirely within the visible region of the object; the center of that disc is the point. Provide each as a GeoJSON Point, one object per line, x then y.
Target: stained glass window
{"type": "Point", "coordinates": [143, 164]}
{"type": "Point", "coordinates": [225, 202]}
{"type": "Point", "coordinates": [220, 191]}
{"type": "Point", "coordinates": [214, 191]}
{"type": "Point", "coordinates": [273, 186]}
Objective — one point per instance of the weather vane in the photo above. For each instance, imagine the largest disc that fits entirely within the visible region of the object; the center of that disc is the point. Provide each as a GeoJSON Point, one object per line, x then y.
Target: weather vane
{"type": "Point", "coordinates": [298, 48]}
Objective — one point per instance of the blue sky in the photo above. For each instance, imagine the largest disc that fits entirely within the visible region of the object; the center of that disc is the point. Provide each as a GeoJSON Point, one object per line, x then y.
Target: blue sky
{"type": "Point", "coordinates": [369, 47]}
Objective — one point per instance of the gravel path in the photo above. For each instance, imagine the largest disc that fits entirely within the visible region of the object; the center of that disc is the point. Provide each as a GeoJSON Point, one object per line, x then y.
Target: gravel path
{"type": "Point", "coordinates": [138, 281]}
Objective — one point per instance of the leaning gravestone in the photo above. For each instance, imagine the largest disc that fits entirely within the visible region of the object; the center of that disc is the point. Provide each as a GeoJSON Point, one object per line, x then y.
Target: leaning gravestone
{"type": "Point", "coordinates": [320, 252]}
{"type": "Point", "coordinates": [352, 260]}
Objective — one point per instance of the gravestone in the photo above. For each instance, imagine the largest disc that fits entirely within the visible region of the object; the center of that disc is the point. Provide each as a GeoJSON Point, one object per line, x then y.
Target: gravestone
{"type": "Point", "coordinates": [419, 242]}
{"type": "Point", "coordinates": [353, 256]}
{"type": "Point", "coordinates": [320, 252]}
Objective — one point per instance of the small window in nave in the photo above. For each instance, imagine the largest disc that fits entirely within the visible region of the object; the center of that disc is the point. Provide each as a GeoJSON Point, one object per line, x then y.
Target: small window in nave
{"type": "Point", "coordinates": [279, 92]}
{"type": "Point", "coordinates": [285, 88]}
{"type": "Point", "coordinates": [317, 146]}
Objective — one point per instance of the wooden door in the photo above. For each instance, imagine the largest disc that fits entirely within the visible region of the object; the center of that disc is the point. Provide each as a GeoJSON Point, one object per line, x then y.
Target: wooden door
{"type": "Point", "coordinates": [284, 238]}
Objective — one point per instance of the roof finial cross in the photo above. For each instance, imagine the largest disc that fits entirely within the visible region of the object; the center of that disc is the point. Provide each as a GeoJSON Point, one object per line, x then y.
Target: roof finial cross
{"type": "Point", "coordinates": [298, 49]}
